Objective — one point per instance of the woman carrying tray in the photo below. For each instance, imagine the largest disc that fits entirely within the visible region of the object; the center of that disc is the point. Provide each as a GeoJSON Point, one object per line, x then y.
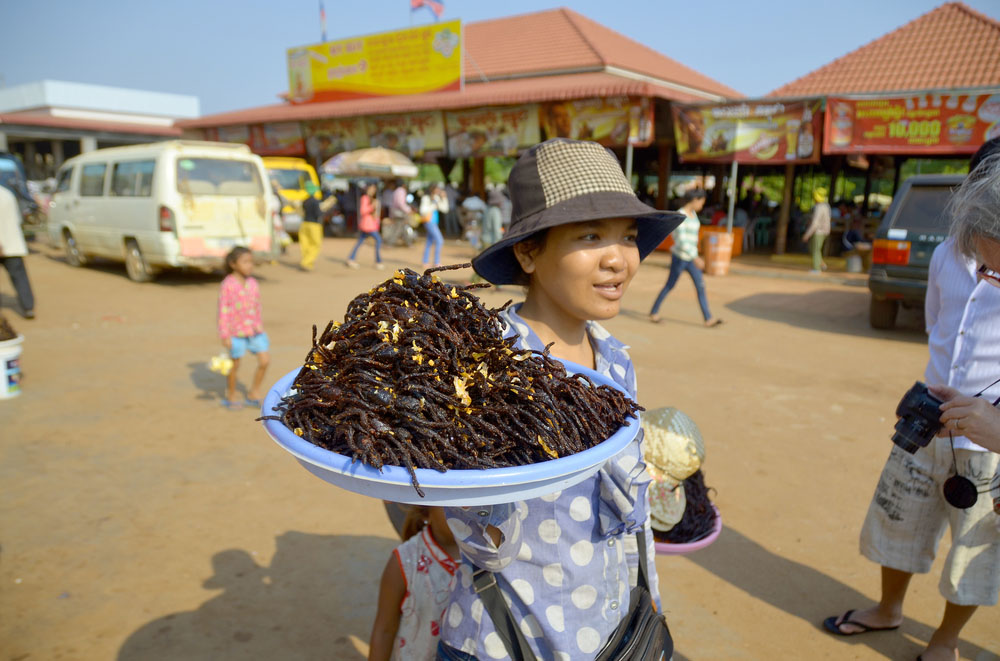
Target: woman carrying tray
{"type": "Point", "coordinates": [565, 562]}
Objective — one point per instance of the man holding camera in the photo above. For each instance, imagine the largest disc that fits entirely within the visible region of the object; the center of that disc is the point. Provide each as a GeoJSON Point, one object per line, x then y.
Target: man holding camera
{"type": "Point", "coordinates": [915, 498]}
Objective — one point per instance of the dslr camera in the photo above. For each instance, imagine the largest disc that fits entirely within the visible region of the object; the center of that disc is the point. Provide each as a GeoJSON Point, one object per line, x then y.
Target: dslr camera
{"type": "Point", "coordinates": [919, 418]}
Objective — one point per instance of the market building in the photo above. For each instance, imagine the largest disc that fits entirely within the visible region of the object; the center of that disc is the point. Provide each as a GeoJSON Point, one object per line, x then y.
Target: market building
{"type": "Point", "coordinates": [928, 90]}
{"type": "Point", "coordinates": [48, 121]}
{"type": "Point", "coordinates": [524, 78]}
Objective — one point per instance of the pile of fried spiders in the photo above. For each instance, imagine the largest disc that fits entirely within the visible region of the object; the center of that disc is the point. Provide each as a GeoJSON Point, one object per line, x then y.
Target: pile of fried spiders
{"type": "Point", "coordinates": [419, 375]}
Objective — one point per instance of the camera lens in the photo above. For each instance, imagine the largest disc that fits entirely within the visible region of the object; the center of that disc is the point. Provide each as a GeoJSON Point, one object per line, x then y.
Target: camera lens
{"type": "Point", "coordinates": [905, 443]}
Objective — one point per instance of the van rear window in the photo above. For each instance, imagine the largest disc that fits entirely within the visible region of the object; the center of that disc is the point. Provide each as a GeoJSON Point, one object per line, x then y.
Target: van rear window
{"type": "Point", "coordinates": [289, 179]}
{"type": "Point", "coordinates": [923, 209]}
{"type": "Point", "coordinates": [217, 176]}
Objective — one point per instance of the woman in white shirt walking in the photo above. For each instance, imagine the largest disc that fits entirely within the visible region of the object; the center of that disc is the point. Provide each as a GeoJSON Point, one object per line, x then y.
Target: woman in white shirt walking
{"type": "Point", "coordinates": [684, 257]}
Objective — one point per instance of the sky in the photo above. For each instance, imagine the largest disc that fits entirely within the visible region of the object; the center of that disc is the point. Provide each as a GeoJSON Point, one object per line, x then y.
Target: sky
{"type": "Point", "coordinates": [231, 53]}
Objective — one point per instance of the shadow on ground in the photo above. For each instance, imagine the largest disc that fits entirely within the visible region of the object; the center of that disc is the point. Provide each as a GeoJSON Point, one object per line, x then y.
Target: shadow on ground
{"type": "Point", "coordinates": [169, 277]}
{"type": "Point", "coordinates": [812, 595]}
{"type": "Point", "coordinates": [832, 310]}
{"type": "Point", "coordinates": [211, 386]}
{"type": "Point", "coordinates": [10, 302]}
{"type": "Point", "coordinates": [315, 601]}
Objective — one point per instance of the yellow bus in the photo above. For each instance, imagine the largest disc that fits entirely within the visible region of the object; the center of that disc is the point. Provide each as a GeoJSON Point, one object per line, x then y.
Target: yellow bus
{"type": "Point", "coordinates": [290, 176]}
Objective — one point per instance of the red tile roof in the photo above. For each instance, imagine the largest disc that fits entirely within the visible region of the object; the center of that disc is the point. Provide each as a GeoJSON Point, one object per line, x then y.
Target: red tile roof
{"type": "Point", "coordinates": [501, 92]}
{"type": "Point", "coordinates": [562, 39]}
{"type": "Point", "coordinates": [545, 56]}
{"type": "Point", "coordinates": [50, 121]}
{"type": "Point", "coordinates": [950, 47]}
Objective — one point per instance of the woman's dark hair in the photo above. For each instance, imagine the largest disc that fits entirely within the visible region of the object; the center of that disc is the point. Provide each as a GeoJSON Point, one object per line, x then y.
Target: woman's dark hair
{"type": "Point", "coordinates": [415, 521]}
{"type": "Point", "coordinates": [233, 255]}
{"type": "Point", "coordinates": [535, 242]}
{"type": "Point", "coordinates": [693, 194]}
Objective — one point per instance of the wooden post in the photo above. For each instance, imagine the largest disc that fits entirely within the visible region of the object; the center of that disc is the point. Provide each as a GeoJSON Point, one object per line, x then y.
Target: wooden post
{"type": "Point", "coordinates": [663, 175]}
{"type": "Point", "coordinates": [466, 168]}
{"type": "Point", "coordinates": [719, 171]}
{"type": "Point", "coordinates": [837, 165]}
{"type": "Point", "coordinates": [447, 165]}
{"type": "Point", "coordinates": [781, 232]}
{"type": "Point", "coordinates": [897, 162]}
{"type": "Point", "coordinates": [868, 187]}
{"type": "Point", "coordinates": [478, 183]}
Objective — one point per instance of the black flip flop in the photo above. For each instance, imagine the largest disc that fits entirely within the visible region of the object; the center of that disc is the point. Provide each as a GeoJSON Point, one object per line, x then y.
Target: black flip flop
{"type": "Point", "coordinates": [831, 625]}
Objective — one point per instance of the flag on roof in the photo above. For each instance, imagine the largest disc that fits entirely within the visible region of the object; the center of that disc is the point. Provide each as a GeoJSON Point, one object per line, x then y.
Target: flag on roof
{"type": "Point", "coordinates": [322, 19]}
{"type": "Point", "coordinates": [436, 6]}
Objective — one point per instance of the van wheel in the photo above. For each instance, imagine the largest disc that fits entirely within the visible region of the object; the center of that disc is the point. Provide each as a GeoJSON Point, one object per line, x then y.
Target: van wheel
{"type": "Point", "coordinates": [135, 264]}
{"type": "Point", "coordinates": [882, 313]}
{"type": "Point", "coordinates": [74, 257]}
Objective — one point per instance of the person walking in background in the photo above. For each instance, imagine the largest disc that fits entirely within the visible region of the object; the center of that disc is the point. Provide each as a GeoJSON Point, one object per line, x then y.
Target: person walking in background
{"type": "Point", "coordinates": [818, 230]}
{"type": "Point", "coordinates": [13, 249]}
{"type": "Point", "coordinates": [311, 229]}
{"type": "Point", "coordinates": [684, 257]}
{"type": "Point", "coordinates": [415, 587]}
{"type": "Point", "coordinates": [493, 218]}
{"type": "Point", "coordinates": [368, 225]}
{"type": "Point", "coordinates": [241, 327]}
{"type": "Point", "coordinates": [399, 214]}
{"type": "Point", "coordinates": [433, 205]}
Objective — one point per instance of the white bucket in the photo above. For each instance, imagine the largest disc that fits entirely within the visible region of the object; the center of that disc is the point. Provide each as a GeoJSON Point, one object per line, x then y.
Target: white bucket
{"type": "Point", "coordinates": [854, 264]}
{"type": "Point", "coordinates": [10, 367]}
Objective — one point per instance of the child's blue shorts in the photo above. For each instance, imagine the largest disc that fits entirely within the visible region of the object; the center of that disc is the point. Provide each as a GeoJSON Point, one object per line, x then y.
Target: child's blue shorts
{"type": "Point", "coordinates": [256, 344]}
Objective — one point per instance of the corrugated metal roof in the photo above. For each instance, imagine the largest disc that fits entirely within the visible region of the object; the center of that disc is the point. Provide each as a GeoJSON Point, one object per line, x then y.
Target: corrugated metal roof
{"type": "Point", "coordinates": [501, 92]}
{"type": "Point", "coordinates": [950, 47]}
{"type": "Point", "coordinates": [550, 55]}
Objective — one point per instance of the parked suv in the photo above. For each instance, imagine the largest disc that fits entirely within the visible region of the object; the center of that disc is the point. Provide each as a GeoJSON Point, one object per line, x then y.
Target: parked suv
{"type": "Point", "coordinates": [901, 255]}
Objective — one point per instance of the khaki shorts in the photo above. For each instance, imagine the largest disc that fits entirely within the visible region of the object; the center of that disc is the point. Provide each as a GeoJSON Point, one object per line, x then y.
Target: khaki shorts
{"type": "Point", "coordinates": [908, 516]}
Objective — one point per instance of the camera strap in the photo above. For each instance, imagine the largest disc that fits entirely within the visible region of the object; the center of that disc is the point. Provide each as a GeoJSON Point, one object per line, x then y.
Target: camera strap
{"type": "Point", "coordinates": [980, 393]}
{"type": "Point", "coordinates": [959, 491]}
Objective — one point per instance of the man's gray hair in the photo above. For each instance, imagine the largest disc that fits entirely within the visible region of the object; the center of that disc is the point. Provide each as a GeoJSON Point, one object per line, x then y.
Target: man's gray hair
{"type": "Point", "coordinates": [974, 209]}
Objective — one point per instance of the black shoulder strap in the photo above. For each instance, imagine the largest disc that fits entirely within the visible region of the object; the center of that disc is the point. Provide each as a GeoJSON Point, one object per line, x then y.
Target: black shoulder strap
{"type": "Point", "coordinates": [514, 642]}
{"type": "Point", "coordinates": [503, 620]}
{"type": "Point", "coordinates": [643, 581]}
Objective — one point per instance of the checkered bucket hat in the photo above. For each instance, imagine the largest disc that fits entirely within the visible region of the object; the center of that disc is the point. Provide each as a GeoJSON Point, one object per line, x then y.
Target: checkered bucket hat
{"type": "Point", "coordinates": [562, 181]}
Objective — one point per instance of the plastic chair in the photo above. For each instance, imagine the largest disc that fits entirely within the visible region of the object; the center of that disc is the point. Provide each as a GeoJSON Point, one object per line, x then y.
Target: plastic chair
{"type": "Point", "coordinates": [762, 231]}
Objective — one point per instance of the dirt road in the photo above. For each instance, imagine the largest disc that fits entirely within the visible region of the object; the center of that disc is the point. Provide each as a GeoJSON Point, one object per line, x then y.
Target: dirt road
{"type": "Point", "coordinates": [140, 520]}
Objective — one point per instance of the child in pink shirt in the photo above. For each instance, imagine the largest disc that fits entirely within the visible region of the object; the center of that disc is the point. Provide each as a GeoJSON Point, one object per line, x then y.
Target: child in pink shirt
{"type": "Point", "coordinates": [240, 325]}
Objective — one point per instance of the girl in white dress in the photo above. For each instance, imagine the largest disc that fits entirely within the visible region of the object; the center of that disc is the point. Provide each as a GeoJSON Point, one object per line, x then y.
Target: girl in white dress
{"type": "Point", "coordinates": [415, 588]}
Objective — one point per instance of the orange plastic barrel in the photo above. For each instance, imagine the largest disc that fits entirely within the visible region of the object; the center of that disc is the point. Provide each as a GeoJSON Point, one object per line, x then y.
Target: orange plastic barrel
{"type": "Point", "coordinates": [717, 247]}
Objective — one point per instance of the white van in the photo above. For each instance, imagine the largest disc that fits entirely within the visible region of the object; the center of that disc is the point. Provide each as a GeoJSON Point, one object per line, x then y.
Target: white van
{"type": "Point", "coordinates": [180, 203]}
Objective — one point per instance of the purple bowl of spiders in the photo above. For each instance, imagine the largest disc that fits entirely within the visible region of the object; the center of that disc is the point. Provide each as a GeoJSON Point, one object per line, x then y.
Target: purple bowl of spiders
{"type": "Point", "coordinates": [667, 548]}
{"type": "Point", "coordinates": [486, 486]}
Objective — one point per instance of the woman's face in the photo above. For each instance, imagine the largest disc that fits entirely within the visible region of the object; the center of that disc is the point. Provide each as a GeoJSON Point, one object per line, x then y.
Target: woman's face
{"type": "Point", "coordinates": [697, 204]}
{"type": "Point", "coordinates": [583, 269]}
